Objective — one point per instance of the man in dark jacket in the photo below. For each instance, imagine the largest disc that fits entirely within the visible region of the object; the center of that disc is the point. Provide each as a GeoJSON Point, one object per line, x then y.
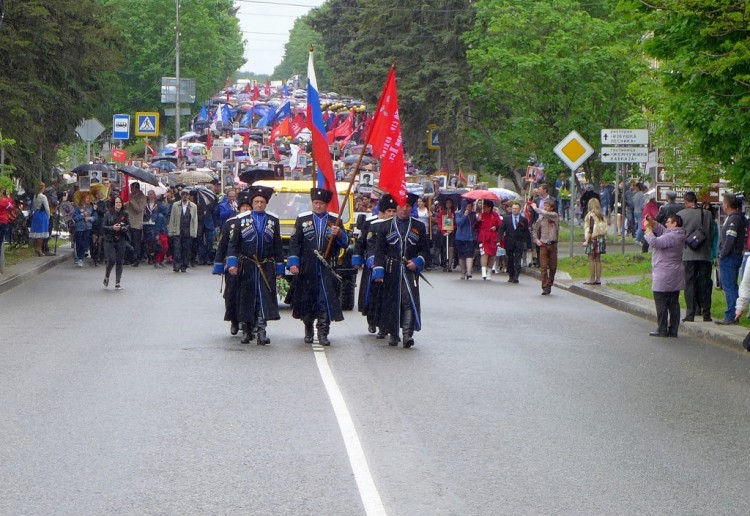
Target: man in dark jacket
{"type": "Point", "coordinates": [731, 247]}
{"type": "Point", "coordinates": [399, 258]}
{"type": "Point", "coordinates": [672, 207]}
{"type": "Point", "coordinates": [697, 261]}
{"type": "Point", "coordinates": [515, 229]}
{"type": "Point", "coordinates": [220, 267]}
{"type": "Point", "coordinates": [364, 258]}
{"type": "Point", "coordinates": [257, 259]}
{"type": "Point", "coordinates": [314, 294]}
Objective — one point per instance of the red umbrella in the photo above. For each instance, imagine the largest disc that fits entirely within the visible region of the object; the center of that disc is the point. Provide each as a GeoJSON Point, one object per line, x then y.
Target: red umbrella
{"type": "Point", "coordinates": [485, 195]}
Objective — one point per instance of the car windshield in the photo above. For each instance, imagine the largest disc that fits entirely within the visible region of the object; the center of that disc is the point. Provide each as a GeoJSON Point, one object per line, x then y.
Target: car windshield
{"type": "Point", "coordinates": [287, 205]}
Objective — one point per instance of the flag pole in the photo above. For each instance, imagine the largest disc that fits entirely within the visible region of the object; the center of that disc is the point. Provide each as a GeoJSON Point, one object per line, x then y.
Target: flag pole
{"type": "Point", "coordinates": [355, 174]}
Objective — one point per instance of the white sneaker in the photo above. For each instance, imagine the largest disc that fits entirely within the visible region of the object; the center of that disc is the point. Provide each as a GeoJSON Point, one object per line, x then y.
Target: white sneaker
{"type": "Point", "coordinates": [79, 263]}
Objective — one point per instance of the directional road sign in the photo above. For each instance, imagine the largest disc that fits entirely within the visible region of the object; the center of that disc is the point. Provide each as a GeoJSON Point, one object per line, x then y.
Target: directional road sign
{"type": "Point", "coordinates": [574, 150]}
{"type": "Point", "coordinates": [624, 154]}
{"type": "Point", "coordinates": [147, 124]}
{"type": "Point", "coordinates": [121, 127]}
{"type": "Point", "coordinates": [624, 136]}
{"type": "Point", "coordinates": [90, 129]}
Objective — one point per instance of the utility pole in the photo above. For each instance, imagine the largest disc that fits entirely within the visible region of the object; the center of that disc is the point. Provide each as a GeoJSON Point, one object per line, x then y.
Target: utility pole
{"type": "Point", "coordinates": [177, 70]}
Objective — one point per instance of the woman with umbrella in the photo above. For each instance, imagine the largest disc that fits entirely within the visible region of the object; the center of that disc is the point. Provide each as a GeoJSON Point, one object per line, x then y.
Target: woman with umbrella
{"type": "Point", "coordinates": [489, 226]}
{"type": "Point", "coordinates": [40, 221]}
{"type": "Point", "coordinates": [115, 228]}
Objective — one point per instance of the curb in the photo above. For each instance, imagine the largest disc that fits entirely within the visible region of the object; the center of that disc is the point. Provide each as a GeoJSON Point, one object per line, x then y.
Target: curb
{"type": "Point", "coordinates": [728, 337]}
{"type": "Point", "coordinates": [13, 280]}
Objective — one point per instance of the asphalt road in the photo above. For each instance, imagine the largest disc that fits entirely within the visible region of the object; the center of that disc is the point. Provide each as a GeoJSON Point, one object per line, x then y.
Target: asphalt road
{"type": "Point", "coordinates": [140, 402]}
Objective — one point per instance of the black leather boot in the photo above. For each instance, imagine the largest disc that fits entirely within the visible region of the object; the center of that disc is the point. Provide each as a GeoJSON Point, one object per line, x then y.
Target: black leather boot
{"type": "Point", "coordinates": [234, 328]}
{"type": "Point", "coordinates": [246, 336]}
{"type": "Point", "coordinates": [309, 332]}
{"type": "Point", "coordinates": [324, 325]}
{"type": "Point", "coordinates": [407, 323]}
{"type": "Point", "coordinates": [394, 340]}
{"type": "Point", "coordinates": [262, 340]}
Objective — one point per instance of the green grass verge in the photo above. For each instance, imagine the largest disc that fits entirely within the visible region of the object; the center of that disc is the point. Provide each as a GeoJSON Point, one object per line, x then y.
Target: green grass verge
{"type": "Point", "coordinates": [13, 256]}
{"type": "Point", "coordinates": [643, 288]}
{"type": "Point", "coordinates": [612, 265]}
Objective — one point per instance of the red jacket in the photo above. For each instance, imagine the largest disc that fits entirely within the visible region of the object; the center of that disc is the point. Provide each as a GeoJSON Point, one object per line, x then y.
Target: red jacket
{"type": "Point", "coordinates": [484, 228]}
{"type": "Point", "coordinates": [6, 206]}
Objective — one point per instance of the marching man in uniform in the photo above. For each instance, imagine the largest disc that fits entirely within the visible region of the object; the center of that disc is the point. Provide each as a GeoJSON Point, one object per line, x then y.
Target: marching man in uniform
{"type": "Point", "coordinates": [230, 281]}
{"type": "Point", "coordinates": [364, 258]}
{"type": "Point", "coordinates": [399, 260]}
{"type": "Point", "coordinates": [256, 257]}
{"type": "Point", "coordinates": [314, 293]}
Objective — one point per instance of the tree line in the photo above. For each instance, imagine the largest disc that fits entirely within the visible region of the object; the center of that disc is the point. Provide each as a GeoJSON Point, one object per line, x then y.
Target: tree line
{"type": "Point", "coordinates": [503, 80]}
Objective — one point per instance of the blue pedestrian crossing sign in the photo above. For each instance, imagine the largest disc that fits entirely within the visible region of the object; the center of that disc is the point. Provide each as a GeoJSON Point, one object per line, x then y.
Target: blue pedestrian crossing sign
{"type": "Point", "coordinates": [147, 124]}
{"type": "Point", "coordinates": [433, 140]}
{"type": "Point", "coordinates": [121, 127]}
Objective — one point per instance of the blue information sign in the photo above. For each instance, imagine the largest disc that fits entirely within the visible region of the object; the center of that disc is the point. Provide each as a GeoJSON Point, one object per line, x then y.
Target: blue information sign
{"type": "Point", "coordinates": [121, 127]}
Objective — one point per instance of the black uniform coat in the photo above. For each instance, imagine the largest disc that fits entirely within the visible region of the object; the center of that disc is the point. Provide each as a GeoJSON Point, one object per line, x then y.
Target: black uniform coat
{"type": "Point", "coordinates": [230, 282]}
{"type": "Point", "coordinates": [314, 280]}
{"type": "Point", "coordinates": [391, 250]}
{"type": "Point", "coordinates": [364, 255]}
{"type": "Point", "coordinates": [253, 249]}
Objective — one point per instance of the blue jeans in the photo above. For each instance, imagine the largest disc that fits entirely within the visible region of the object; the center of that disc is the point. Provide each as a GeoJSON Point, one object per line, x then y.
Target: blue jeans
{"type": "Point", "coordinates": [82, 244]}
{"type": "Point", "coordinates": [729, 268]}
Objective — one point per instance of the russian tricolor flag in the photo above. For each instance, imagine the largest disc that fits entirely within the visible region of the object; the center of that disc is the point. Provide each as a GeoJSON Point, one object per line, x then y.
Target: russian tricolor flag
{"type": "Point", "coordinates": [321, 152]}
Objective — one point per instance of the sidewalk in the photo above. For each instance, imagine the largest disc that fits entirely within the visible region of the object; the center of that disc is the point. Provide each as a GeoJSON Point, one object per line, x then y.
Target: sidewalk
{"type": "Point", "coordinates": [730, 337]}
{"type": "Point", "coordinates": [28, 269]}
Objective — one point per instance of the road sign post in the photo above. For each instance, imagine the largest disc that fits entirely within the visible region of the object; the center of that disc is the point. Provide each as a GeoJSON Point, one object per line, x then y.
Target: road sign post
{"type": "Point", "coordinates": [89, 130]}
{"type": "Point", "coordinates": [573, 150]}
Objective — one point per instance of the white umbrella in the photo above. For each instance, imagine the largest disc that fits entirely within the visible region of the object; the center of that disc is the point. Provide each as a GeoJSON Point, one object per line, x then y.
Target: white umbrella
{"type": "Point", "coordinates": [189, 135]}
{"type": "Point", "coordinates": [505, 194]}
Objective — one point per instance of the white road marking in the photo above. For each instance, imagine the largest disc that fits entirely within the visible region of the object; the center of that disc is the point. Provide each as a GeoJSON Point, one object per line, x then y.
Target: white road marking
{"type": "Point", "coordinates": [367, 490]}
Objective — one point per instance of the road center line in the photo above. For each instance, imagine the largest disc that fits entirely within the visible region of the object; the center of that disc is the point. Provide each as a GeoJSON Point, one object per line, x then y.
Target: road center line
{"type": "Point", "coordinates": [367, 490]}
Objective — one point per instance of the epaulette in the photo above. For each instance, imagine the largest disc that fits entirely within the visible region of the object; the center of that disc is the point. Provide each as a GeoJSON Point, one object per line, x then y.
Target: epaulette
{"type": "Point", "coordinates": [272, 214]}
{"type": "Point", "coordinates": [304, 214]}
{"type": "Point", "coordinates": [378, 221]}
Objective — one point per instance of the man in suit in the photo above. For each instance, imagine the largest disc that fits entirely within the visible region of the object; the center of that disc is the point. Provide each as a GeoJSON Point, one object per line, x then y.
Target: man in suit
{"type": "Point", "coordinates": [515, 229]}
{"type": "Point", "coordinates": [183, 228]}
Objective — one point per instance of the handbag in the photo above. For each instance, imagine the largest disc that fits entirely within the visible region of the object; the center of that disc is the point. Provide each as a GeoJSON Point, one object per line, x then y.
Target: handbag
{"type": "Point", "coordinates": [697, 238]}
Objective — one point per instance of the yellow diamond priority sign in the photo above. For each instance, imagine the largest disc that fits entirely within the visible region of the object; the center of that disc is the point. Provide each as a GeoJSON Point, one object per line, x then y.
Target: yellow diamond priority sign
{"type": "Point", "coordinates": [574, 150]}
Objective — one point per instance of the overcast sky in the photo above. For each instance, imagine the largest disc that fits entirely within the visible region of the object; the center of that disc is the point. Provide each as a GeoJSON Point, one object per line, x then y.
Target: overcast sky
{"type": "Point", "coordinates": [265, 25]}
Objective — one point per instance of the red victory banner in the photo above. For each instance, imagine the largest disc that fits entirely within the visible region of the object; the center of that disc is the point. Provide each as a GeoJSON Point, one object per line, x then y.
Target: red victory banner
{"type": "Point", "coordinates": [387, 144]}
{"type": "Point", "coordinates": [119, 155]}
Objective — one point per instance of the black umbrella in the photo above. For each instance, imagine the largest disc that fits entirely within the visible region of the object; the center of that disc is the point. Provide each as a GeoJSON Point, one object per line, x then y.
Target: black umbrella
{"type": "Point", "coordinates": [257, 174]}
{"type": "Point", "coordinates": [140, 174]}
{"type": "Point", "coordinates": [203, 195]}
{"type": "Point", "coordinates": [453, 195]}
{"type": "Point", "coordinates": [88, 167]}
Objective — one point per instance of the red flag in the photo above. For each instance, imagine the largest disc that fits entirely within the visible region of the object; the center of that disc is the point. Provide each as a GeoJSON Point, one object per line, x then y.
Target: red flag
{"type": "Point", "coordinates": [462, 177]}
{"type": "Point", "coordinates": [367, 128]}
{"type": "Point", "coordinates": [209, 139]}
{"type": "Point", "coordinates": [256, 93]}
{"type": "Point", "coordinates": [387, 144]}
{"type": "Point", "coordinates": [347, 127]}
{"type": "Point", "coordinates": [281, 129]}
{"type": "Point", "coordinates": [343, 142]}
{"type": "Point", "coordinates": [119, 155]}
{"type": "Point", "coordinates": [296, 125]}
{"type": "Point", "coordinates": [267, 90]}
{"type": "Point", "coordinates": [151, 150]}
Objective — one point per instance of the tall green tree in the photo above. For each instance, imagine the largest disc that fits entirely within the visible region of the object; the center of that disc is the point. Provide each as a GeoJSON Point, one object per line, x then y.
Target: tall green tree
{"type": "Point", "coordinates": [701, 52]}
{"type": "Point", "coordinates": [296, 52]}
{"type": "Point", "coordinates": [211, 49]}
{"type": "Point", "coordinates": [364, 37]}
{"type": "Point", "coordinates": [542, 68]}
{"type": "Point", "coordinates": [53, 54]}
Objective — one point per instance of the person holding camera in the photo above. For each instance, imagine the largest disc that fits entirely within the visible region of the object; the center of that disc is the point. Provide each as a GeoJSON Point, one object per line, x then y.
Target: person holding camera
{"type": "Point", "coordinates": [115, 228]}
